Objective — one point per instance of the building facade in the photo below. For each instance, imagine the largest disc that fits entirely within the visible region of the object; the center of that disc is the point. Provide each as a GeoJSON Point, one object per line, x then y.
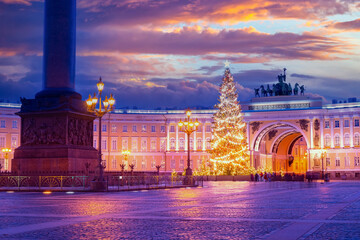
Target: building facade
{"type": "Point", "coordinates": [285, 133]}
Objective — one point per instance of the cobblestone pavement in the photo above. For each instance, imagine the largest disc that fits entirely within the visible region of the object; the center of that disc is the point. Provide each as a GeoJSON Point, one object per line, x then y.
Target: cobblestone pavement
{"type": "Point", "coordinates": [219, 210]}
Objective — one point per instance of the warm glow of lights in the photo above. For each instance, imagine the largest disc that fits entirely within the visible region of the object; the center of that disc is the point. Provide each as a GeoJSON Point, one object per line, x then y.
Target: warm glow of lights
{"type": "Point", "coordinates": [6, 150]}
{"type": "Point", "coordinates": [106, 102]}
{"type": "Point", "coordinates": [188, 113]}
{"type": "Point", "coordinates": [89, 101]}
{"type": "Point", "coordinates": [47, 192]}
{"type": "Point", "coordinates": [94, 99]}
{"type": "Point", "coordinates": [100, 85]}
{"type": "Point", "coordinates": [180, 124]}
{"type": "Point", "coordinates": [111, 100]}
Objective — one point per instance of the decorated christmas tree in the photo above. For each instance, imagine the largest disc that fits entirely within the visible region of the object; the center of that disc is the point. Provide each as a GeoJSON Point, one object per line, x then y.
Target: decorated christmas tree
{"type": "Point", "coordinates": [229, 154]}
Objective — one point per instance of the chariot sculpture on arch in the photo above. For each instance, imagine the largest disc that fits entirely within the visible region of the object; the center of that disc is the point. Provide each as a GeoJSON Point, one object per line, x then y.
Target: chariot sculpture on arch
{"type": "Point", "coordinates": [282, 88]}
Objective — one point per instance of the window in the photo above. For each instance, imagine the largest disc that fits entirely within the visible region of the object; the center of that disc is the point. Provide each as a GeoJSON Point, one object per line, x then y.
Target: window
{"type": "Point", "coordinates": [134, 129]}
{"type": "Point", "coordinates": [113, 128]}
{"type": "Point", "coordinates": [95, 127]}
{"type": "Point", "coordinates": [113, 163]}
{"type": "Point", "coordinates": [14, 141]}
{"type": "Point", "coordinates": [346, 123]}
{"type": "Point", "coordinates": [143, 164]}
{"type": "Point", "coordinates": [337, 162]}
{"type": "Point", "coordinates": [327, 162]}
{"type": "Point", "coordinates": [181, 163]}
{"type": "Point", "coordinates": [199, 144]}
{"type": "Point", "coordinates": [356, 161]}
{"type": "Point", "coordinates": [172, 164]}
{"type": "Point", "coordinates": [172, 143]}
{"type": "Point", "coordinates": [163, 144]}
{"type": "Point", "coordinates": [327, 141]}
{"type": "Point", "coordinates": [153, 163]}
{"type": "Point", "coordinates": [337, 141]}
{"type": "Point", "coordinates": [134, 145]}
{"type": "Point", "coordinates": [104, 144]}
{"type": "Point", "coordinates": [172, 128]}
{"type": "Point", "coordinates": [143, 145]}
{"type": "Point", "coordinates": [14, 124]}
{"type": "Point", "coordinates": [327, 124]}
{"type": "Point", "coordinates": [153, 129]}
{"type": "Point", "coordinates": [113, 144]}
{"type": "Point", "coordinates": [153, 145]}
{"type": "Point", "coordinates": [347, 140]}
{"type": "Point", "coordinates": [181, 144]}
{"type": "Point", "coordinates": [347, 161]}
{"type": "Point", "coordinates": [356, 123]}
{"type": "Point", "coordinates": [2, 142]}
{"type": "Point", "coordinates": [337, 123]}
{"type": "Point", "coordinates": [104, 128]}
{"type": "Point", "coordinates": [2, 124]}
{"type": "Point", "coordinates": [143, 128]}
{"type": "Point", "coordinates": [125, 144]}
{"type": "Point", "coordinates": [191, 143]}
{"type": "Point", "coordinates": [95, 145]}
{"type": "Point", "coordinates": [163, 164]}
{"type": "Point", "coordinates": [208, 144]}
{"type": "Point", "coordinates": [124, 128]}
{"type": "Point", "coordinates": [357, 140]}
{"type": "Point", "coordinates": [208, 128]}
{"type": "Point", "coordinates": [162, 129]}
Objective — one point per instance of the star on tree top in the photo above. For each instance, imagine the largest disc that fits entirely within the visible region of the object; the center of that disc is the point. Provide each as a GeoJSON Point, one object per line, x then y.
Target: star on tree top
{"type": "Point", "coordinates": [227, 64]}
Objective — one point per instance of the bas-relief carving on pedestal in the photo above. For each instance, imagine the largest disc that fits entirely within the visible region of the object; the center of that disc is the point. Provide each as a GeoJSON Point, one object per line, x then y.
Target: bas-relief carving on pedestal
{"type": "Point", "coordinates": [43, 131]}
{"type": "Point", "coordinates": [52, 131]}
{"type": "Point", "coordinates": [80, 132]}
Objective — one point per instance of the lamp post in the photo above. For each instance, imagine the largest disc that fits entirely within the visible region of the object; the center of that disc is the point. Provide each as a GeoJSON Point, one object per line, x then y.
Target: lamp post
{"type": "Point", "coordinates": [105, 106]}
{"type": "Point", "coordinates": [188, 126]}
{"type": "Point", "coordinates": [323, 152]}
{"type": "Point", "coordinates": [6, 152]}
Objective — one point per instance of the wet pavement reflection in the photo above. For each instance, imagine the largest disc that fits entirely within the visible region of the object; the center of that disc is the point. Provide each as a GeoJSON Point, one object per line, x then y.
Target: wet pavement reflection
{"type": "Point", "coordinates": [219, 210]}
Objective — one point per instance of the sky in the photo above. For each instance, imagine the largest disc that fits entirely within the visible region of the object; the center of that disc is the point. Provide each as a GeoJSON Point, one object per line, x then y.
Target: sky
{"type": "Point", "coordinates": [171, 53]}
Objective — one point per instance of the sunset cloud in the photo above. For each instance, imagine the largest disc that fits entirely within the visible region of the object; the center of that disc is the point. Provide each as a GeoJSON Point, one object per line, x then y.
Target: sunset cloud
{"type": "Point", "coordinates": [169, 53]}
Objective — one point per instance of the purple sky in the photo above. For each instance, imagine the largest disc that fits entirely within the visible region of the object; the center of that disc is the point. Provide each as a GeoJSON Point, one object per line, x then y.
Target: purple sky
{"type": "Point", "coordinates": [170, 53]}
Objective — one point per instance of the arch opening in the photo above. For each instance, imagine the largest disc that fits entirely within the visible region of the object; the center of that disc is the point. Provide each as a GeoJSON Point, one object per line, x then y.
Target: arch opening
{"type": "Point", "coordinates": [281, 147]}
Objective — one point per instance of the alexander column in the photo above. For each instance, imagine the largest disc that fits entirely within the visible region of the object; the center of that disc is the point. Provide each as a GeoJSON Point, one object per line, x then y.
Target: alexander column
{"type": "Point", "coordinates": [56, 129]}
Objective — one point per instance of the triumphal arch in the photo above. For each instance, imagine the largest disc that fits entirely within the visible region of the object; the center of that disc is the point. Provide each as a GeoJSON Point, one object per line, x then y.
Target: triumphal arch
{"type": "Point", "coordinates": [292, 132]}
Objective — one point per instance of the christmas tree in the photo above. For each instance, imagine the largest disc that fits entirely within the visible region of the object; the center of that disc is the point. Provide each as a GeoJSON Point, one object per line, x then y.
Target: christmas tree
{"type": "Point", "coordinates": [229, 153]}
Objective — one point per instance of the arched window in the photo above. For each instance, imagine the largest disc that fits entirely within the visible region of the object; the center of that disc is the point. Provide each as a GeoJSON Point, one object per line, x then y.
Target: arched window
{"type": "Point", "coordinates": [357, 140]}
{"type": "Point", "coordinates": [208, 144]}
{"type": "Point", "coordinates": [172, 143]}
{"type": "Point", "coordinates": [327, 141]}
{"type": "Point", "coordinates": [337, 141]}
{"type": "Point", "coordinates": [181, 143]}
{"type": "Point", "coordinates": [347, 140]}
{"type": "Point", "coordinates": [199, 144]}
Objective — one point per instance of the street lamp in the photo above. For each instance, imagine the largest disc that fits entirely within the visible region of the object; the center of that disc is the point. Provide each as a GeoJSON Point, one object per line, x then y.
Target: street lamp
{"type": "Point", "coordinates": [6, 152]}
{"type": "Point", "coordinates": [323, 153]}
{"type": "Point", "coordinates": [104, 107]}
{"type": "Point", "coordinates": [188, 126]}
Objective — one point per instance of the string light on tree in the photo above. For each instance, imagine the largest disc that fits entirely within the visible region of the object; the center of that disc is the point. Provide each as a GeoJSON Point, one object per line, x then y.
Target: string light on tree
{"type": "Point", "coordinates": [230, 153]}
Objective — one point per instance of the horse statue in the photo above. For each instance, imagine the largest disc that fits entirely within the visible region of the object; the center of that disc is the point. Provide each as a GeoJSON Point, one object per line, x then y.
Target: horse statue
{"type": "Point", "coordinates": [257, 92]}
{"type": "Point", "coordinates": [269, 90]}
{"type": "Point", "coordinates": [302, 90]}
{"type": "Point", "coordinates": [263, 91]}
{"type": "Point", "coordinates": [289, 89]}
{"type": "Point", "coordinates": [296, 89]}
